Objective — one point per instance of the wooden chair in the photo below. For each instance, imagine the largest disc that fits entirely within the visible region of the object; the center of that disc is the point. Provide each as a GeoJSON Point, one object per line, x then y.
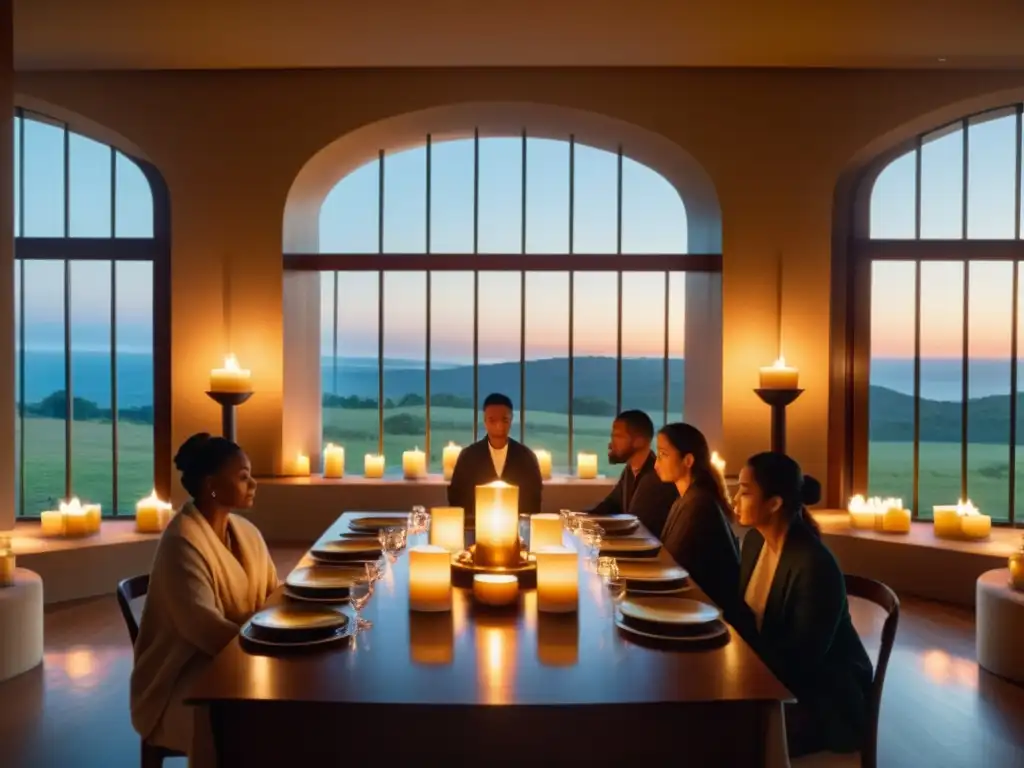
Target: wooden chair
{"type": "Point", "coordinates": [879, 594]}
{"type": "Point", "coordinates": [128, 590]}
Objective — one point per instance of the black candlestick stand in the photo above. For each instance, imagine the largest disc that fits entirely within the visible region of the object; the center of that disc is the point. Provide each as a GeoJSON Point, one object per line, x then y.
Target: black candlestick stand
{"type": "Point", "coordinates": [778, 399]}
{"type": "Point", "coordinates": [228, 401]}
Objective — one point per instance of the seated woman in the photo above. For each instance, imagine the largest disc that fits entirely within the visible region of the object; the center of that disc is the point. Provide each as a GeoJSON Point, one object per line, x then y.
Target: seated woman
{"type": "Point", "coordinates": [697, 532]}
{"type": "Point", "coordinates": [211, 572]}
{"type": "Point", "coordinates": [800, 623]}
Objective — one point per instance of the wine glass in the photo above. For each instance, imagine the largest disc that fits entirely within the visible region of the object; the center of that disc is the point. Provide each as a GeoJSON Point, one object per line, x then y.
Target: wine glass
{"type": "Point", "coordinates": [392, 541]}
{"type": "Point", "coordinates": [591, 535]}
{"type": "Point", "coordinates": [418, 519]}
{"type": "Point", "coordinates": [360, 592]}
{"type": "Point", "coordinates": [614, 581]}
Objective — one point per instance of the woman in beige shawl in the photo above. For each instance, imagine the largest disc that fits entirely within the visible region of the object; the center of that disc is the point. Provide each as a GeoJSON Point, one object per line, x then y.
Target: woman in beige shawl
{"type": "Point", "coordinates": [211, 572]}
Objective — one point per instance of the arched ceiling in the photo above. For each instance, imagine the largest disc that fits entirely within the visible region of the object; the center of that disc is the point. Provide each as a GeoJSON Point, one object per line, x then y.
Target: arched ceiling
{"type": "Point", "coordinates": [244, 34]}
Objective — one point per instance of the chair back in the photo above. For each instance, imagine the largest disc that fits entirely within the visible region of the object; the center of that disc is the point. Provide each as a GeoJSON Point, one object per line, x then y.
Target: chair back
{"type": "Point", "coordinates": [882, 596]}
{"type": "Point", "coordinates": [128, 590]}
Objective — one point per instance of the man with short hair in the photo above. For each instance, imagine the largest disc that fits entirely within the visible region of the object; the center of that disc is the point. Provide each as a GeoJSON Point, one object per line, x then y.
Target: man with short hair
{"type": "Point", "coordinates": [639, 491]}
{"type": "Point", "coordinates": [496, 457]}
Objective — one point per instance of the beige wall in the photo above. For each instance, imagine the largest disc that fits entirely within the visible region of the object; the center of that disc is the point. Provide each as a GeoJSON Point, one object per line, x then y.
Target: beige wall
{"type": "Point", "coordinates": [775, 144]}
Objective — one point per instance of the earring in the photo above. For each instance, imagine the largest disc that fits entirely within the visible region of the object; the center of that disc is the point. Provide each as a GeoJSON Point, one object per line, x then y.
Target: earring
{"type": "Point", "coordinates": [213, 494]}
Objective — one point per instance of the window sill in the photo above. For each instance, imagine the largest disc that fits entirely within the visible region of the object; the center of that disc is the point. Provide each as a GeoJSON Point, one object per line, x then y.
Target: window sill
{"type": "Point", "coordinates": [430, 480]}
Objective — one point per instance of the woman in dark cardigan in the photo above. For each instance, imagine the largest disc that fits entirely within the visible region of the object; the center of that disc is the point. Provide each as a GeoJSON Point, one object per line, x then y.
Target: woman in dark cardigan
{"type": "Point", "coordinates": [697, 532]}
{"type": "Point", "coordinates": [799, 620]}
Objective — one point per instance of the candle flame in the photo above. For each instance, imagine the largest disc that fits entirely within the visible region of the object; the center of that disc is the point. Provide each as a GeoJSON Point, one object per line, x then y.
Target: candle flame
{"type": "Point", "coordinates": [153, 501]}
{"type": "Point", "coordinates": [453, 444]}
{"type": "Point", "coordinates": [780, 363]}
{"type": "Point", "coordinates": [231, 363]}
{"type": "Point", "coordinates": [875, 504]}
{"type": "Point", "coordinates": [72, 507]}
{"type": "Point", "coordinates": [966, 508]}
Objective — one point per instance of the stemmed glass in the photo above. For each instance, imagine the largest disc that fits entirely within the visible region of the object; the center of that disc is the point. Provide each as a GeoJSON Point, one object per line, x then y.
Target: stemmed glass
{"type": "Point", "coordinates": [418, 519]}
{"type": "Point", "coordinates": [591, 535]}
{"type": "Point", "coordinates": [570, 520]}
{"type": "Point", "coordinates": [361, 590]}
{"type": "Point", "coordinates": [392, 541]}
{"type": "Point", "coordinates": [614, 581]}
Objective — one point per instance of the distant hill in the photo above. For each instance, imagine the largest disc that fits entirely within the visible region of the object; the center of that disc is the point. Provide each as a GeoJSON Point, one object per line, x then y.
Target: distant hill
{"type": "Point", "coordinates": [988, 418]}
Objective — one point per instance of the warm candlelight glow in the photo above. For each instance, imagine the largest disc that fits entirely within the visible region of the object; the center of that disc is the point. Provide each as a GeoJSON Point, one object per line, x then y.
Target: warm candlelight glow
{"type": "Point", "coordinates": [496, 662]}
{"type": "Point", "coordinates": [152, 514]}
{"type": "Point", "coordinates": [962, 521]}
{"type": "Point", "coordinates": [586, 466]}
{"type": "Point", "coordinates": [414, 464]}
{"type": "Point", "coordinates": [77, 519]}
{"type": "Point", "coordinates": [544, 460]}
{"type": "Point", "coordinates": [557, 580]}
{"type": "Point", "coordinates": [301, 468]}
{"type": "Point", "coordinates": [6, 561]}
{"type": "Point", "coordinates": [449, 456]}
{"type": "Point", "coordinates": [51, 523]}
{"type": "Point", "coordinates": [448, 528]}
{"type": "Point", "coordinates": [334, 461]}
{"type": "Point", "coordinates": [718, 463]}
{"type": "Point", "coordinates": [373, 465]}
{"type": "Point", "coordinates": [431, 638]}
{"type": "Point", "coordinates": [495, 589]}
{"type": "Point", "coordinates": [558, 640]}
{"type": "Point", "coordinates": [780, 376]}
{"type": "Point", "coordinates": [497, 524]}
{"type": "Point", "coordinates": [878, 514]}
{"type": "Point", "coordinates": [545, 531]}
{"type": "Point", "coordinates": [430, 578]}
{"type": "Point", "coordinates": [230, 378]}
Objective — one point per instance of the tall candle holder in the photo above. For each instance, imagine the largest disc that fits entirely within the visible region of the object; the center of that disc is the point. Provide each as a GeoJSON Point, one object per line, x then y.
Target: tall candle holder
{"type": "Point", "coordinates": [228, 402]}
{"type": "Point", "coordinates": [778, 400]}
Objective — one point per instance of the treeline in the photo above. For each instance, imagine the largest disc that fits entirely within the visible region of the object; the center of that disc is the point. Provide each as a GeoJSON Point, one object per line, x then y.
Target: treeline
{"type": "Point", "coordinates": [584, 406]}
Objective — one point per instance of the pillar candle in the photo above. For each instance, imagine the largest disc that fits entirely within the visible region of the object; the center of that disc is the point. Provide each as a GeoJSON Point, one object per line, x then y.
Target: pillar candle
{"type": "Point", "coordinates": [79, 520]}
{"type": "Point", "coordinates": [946, 521]}
{"type": "Point", "coordinates": [76, 524]}
{"type": "Point", "coordinates": [545, 531]}
{"type": "Point", "coordinates": [780, 376]}
{"type": "Point", "coordinates": [334, 461]}
{"type": "Point", "coordinates": [896, 520]}
{"type": "Point", "coordinates": [430, 578]}
{"type": "Point", "coordinates": [448, 528]}
{"type": "Point", "coordinates": [414, 464]}
{"type": "Point", "coordinates": [52, 523]}
{"type": "Point", "coordinates": [557, 580]}
{"type": "Point", "coordinates": [973, 524]}
{"type": "Point", "coordinates": [93, 517]}
{"type": "Point", "coordinates": [495, 589]}
{"type": "Point", "coordinates": [373, 465]}
{"type": "Point", "coordinates": [449, 456]}
{"type": "Point", "coordinates": [301, 466]}
{"type": "Point", "coordinates": [230, 378]}
{"type": "Point", "coordinates": [544, 460]}
{"type": "Point", "coordinates": [586, 466]}
{"type": "Point", "coordinates": [152, 514]}
{"type": "Point", "coordinates": [497, 524]}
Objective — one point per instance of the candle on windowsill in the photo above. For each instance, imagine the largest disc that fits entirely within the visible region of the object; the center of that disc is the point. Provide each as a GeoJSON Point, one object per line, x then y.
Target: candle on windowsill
{"type": "Point", "coordinates": [301, 467]}
{"type": "Point", "coordinates": [495, 589]}
{"type": "Point", "coordinates": [448, 528]}
{"type": "Point", "coordinates": [557, 580]}
{"type": "Point", "coordinates": [152, 514]}
{"type": "Point", "coordinates": [449, 456]}
{"type": "Point", "coordinates": [544, 460]}
{"type": "Point", "coordinates": [545, 531]}
{"type": "Point", "coordinates": [230, 378]}
{"type": "Point", "coordinates": [51, 523]}
{"type": "Point", "coordinates": [373, 465]}
{"type": "Point", "coordinates": [414, 464]}
{"type": "Point", "coordinates": [80, 520]}
{"type": "Point", "coordinates": [586, 466]}
{"type": "Point", "coordinates": [497, 525]}
{"type": "Point", "coordinates": [334, 461]}
{"type": "Point", "coordinates": [780, 376]}
{"type": "Point", "coordinates": [430, 579]}
{"type": "Point", "coordinates": [960, 521]}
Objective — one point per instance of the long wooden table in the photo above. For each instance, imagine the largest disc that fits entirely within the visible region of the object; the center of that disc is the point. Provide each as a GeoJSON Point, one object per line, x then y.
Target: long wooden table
{"type": "Point", "coordinates": [492, 688]}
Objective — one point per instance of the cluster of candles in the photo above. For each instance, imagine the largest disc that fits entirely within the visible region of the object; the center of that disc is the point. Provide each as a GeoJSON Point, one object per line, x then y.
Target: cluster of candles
{"type": "Point", "coordinates": [961, 521]}
{"type": "Point", "coordinates": [953, 521]}
{"type": "Point", "coordinates": [497, 546]}
{"type": "Point", "coordinates": [6, 561]}
{"type": "Point", "coordinates": [73, 519]}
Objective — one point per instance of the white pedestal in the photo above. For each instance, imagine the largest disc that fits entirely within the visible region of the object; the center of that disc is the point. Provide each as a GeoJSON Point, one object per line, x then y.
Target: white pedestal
{"type": "Point", "coordinates": [1000, 625]}
{"type": "Point", "coordinates": [21, 624]}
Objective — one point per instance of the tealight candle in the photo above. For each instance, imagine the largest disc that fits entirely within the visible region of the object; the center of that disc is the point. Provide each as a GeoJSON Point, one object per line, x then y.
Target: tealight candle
{"type": "Point", "coordinates": [301, 466]}
{"type": "Point", "coordinates": [448, 528]}
{"type": "Point", "coordinates": [780, 376]}
{"type": "Point", "coordinates": [373, 465]}
{"type": "Point", "coordinates": [414, 464]}
{"type": "Point", "coordinates": [586, 466]}
{"type": "Point", "coordinates": [230, 378]}
{"type": "Point", "coordinates": [430, 578]}
{"type": "Point", "coordinates": [497, 525]}
{"type": "Point", "coordinates": [545, 531]}
{"type": "Point", "coordinates": [152, 514]}
{"type": "Point", "coordinates": [544, 460]}
{"type": "Point", "coordinates": [449, 456]}
{"type": "Point", "coordinates": [52, 523]}
{"type": "Point", "coordinates": [334, 461]}
{"type": "Point", "coordinates": [495, 589]}
{"type": "Point", "coordinates": [557, 580]}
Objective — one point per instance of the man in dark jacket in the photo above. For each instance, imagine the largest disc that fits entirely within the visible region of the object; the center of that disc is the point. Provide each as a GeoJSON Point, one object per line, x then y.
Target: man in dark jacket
{"type": "Point", "coordinates": [639, 491]}
{"type": "Point", "coordinates": [496, 457]}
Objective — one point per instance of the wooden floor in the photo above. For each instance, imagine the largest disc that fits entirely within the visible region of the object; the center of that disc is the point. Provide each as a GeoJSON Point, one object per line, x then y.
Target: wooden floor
{"type": "Point", "coordinates": [939, 710]}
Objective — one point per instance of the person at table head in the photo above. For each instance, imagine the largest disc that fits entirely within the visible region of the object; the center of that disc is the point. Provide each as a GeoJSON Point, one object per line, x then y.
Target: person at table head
{"type": "Point", "coordinates": [796, 594]}
{"type": "Point", "coordinates": [496, 457]}
{"type": "Point", "coordinates": [639, 491]}
{"type": "Point", "coordinates": [211, 572]}
{"type": "Point", "coordinates": [697, 533]}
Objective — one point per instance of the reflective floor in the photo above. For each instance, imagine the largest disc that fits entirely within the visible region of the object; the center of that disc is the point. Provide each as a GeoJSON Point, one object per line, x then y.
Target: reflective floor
{"type": "Point", "coordinates": [939, 708]}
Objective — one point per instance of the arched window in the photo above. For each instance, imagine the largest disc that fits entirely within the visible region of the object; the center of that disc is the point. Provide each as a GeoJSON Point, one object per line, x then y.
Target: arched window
{"type": "Point", "coordinates": [545, 269]}
{"type": "Point", "coordinates": [942, 258]}
{"type": "Point", "coordinates": [92, 373]}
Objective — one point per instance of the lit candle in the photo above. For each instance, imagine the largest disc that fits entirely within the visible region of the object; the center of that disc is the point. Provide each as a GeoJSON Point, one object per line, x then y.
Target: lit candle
{"type": "Point", "coordinates": [586, 466]}
{"type": "Point", "coordinates": [495, 589]}
{"type": "Point", "coordinates": [6, 561]}
{"type": "Point", "coordinates": [780, 376]}
{"type": "Point", "coordinates": [448, 528]}
{"type": "Point", "coordinates": [946, 521]}
{"type": "Point", "coordinates": [93, 517]}
{"type": "Point", "coordinates": [864, 513]}
{"type": "Point", "coordinates": [497, 524]}
{"type": "Point", "coordinates": [230, 378]}
{"type": "Point", "coordinates": [895, 519]}
{"type": "Point", "coordinates": [414, 464]}
{"type": "Point", "coordinates": [301, 465]}
{"type": "Point", "coordinates": [373, 465]}
{"type": "Point", "coordinates": [334, 461]}
{"type": "Point", "coordinates": [544, 460]}
{"type": "Point", "coordinates": [430, 578]}
{"type": "Point", "coordinates": [76, 521]}
{"type": "Point", "coordinates": [52, 523]}
{"type": "Point", "coordinates": [718, 463]}
{"type": "Point", "coordinates": [545, 531]}
{"type": "Point", "coordinates": [973, 524]}
{"type": "Point", "coordinates": [557, 580]}
{"type": "Point", "coordinates": [152, 514]}
{"type": "Point", "coordinates": [449, 456]}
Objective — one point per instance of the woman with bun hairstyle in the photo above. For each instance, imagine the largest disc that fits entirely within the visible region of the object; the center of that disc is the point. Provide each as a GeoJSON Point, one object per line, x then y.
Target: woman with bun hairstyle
{"type": "Point", "coordinates": [697, 532]}
{"type": "Point", "coordinates": [800, 619]}
{"type": "Point", "coordinates": [211, 572]}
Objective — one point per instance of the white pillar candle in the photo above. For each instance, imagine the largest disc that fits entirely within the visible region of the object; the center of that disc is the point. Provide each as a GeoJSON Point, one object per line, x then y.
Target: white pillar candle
{"type": "Point", "coordinates": [430, 578]}
{"type": "Point", "coordinates": [152, 514]}
{"type": "Point", "coordinates": [557, 580]}
{"type": "Point", "coordinates": [448, 528]}
{"type": "Point", "coordinates": [414, 464]}
{"type": "Point", "coordinates": [373, 465]}
{"type": "Point", "coordinates": [52, 523]}
{"type": "Point", "coordinates": [230, 378]}
{"type": "Point", "coordinates": [780, 376]}
{"type": "Point", "coordinates": [586, 466]}
{"type": "Point", "coordinates": [544, 460]}
{"type": "Point", "coordinates": [973, 524]}
{"type": "Point", "coordinates": [334, 461]}
{"type": "Point", "coordinates": [545, 531]}
{"type": "Point", "coordinates": [449, 456]}
{"type": "Point", "coordinates": [495, 588]}
{"type": "Point", "coordinates": [497, 524]}
{"type": "Point", "coordinates": [863, 513]}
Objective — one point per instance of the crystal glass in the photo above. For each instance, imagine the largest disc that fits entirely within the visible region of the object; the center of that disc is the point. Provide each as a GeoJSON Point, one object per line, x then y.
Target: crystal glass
{"type": "Point", "coordinates": [590, 535]}
{"type": "Point", "coordinates": [392, 541]}
{"type": "Point", "coordinates": [570, 520]}
{"type": "Point", "coordinates": [360, 592]}
{"type": "Point", "coordinates": [418, 519]}
{"type": "Point", "coordinates": [614, 581]}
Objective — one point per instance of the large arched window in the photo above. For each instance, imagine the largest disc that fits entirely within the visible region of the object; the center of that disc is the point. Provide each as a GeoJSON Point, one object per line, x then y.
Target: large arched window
{"type": "Point", "coordinates": [942, 258]}
{"type": "Point", "coordinates": [92, 378]}
{"type": "Point", "coordinates": [545, 269]}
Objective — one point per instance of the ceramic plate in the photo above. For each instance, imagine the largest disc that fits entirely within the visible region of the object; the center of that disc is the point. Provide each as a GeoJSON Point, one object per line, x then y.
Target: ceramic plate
{"type": "Point", "coordinates": [616, 523]}
{"type": "Point", "coordinates": [376, 523]}
{"type": "Point", "coordinates": [307, 598]}
{"type": "Point", "coordinates": [334, 636]}
{"type": "Point", "coordinates": [672, 590]}
{"type": "Point", "coordinates": [646, 570]}
{"type": "Point", "coordinates": [669, 610]}
{"type": "Point", "coordinates": [282, 618]}
{"type": "Point", "coordinates": [348, 548]}
{"type": "Point", "coordinates": [640, 546]}
{"type": "Point", "coordinates": [317, 577]}
{"type": "Point", "coordinates": [714, 631]}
